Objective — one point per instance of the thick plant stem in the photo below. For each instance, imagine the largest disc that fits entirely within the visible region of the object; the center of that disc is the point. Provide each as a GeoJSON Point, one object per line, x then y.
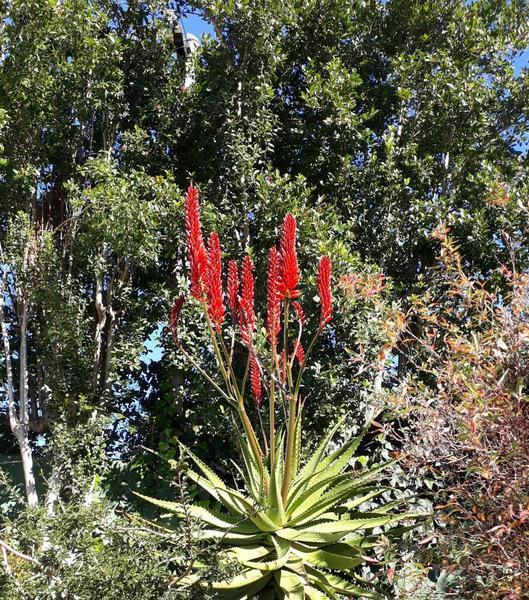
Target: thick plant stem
{"type": "Point", "coordinates": [231, 372]}
{"type": "Point", "coordinates": [291, 434]}
{"type": "Point", "coordinates": [263, 431]}
{"type": "Point", "coordinates": [19, 423]}
{"type": "Point", "coordinates": [245, 376]}
{"type": "Point", "coordinates": [26, 455]}
{"type": "Point", "coordinates": [252, 438]}
{"type": "Point", "coordinates": [233, 389]}
{"type": "Point", "coordinates": [22, 431]}
{"type": "Point", "coordinates": [286, 349]}
{"type": "Point", "coordinates": [218, 352]}
{"type": "Point", "coordinates": [271, 416]}
{"type": "Point", "coordinates": [292, 405]}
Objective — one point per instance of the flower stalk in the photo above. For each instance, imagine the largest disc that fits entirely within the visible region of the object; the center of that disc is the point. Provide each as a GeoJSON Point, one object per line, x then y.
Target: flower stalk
{"type": "Point", "coordinates": [237, 299]}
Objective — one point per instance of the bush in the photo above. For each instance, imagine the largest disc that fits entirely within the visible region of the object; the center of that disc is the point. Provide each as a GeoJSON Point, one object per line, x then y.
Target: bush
{"type": "Point", "coordinates": [471, 406]}
{"type": "Point", "coordinates": [84, 552]}
{"type": "Point", "coordinates": [82, 544]}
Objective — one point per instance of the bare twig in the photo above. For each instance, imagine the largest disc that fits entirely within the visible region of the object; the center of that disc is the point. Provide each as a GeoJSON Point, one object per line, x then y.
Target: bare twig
{"type": "Point", "coordinates": [6, 547]}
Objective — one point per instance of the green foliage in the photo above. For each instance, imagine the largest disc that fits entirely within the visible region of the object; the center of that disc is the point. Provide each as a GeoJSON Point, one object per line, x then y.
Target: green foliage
{"type": "Point", "coordinates": [86, 552]}
{"type": "Point", "coordinates": [81, 543]}
{"type": "Point", "coordinates": [111, 202]}
{"type": "Point", "coordinates": [79, 83]}
{"type": "Point", "coordinates": [398, 115]}
{"type": "Point", "coordinates": [375, 120]}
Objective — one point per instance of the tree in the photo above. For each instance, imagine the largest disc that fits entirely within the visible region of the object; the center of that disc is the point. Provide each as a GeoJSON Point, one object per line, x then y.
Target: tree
{"type": "Point", "coordinates": [374, 120]}
{"type": "Point", "coordinates": [397, 114]}
{"type": "Point", "coordinates": [379, 119]}
{"type": "Point", "coordinates": [74, 267]}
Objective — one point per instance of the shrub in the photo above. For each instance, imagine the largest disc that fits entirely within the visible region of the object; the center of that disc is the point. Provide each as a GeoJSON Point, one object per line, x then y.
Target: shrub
{"type": "Point", "coordinates": [80, 544]}
{"type": "Point", "coordinates": [472, 422]}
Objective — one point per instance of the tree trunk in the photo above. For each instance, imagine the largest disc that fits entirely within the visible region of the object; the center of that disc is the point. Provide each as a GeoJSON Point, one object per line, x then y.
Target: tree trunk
{"type": "Point", "coordinates": [27, 464]}
{"type": "Point", "coordinates": [104, 383]}
{"type": "Point", "coordinates": [101, 317]}
{"type": "Point", "coordinates": [22, 429]}
{"type": "Point", "coordinates": [19, 423]}
{"type": "Point", "coordinates": [53, 491]}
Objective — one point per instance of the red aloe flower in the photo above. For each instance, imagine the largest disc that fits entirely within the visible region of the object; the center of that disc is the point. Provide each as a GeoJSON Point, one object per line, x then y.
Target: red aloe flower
{"type": "Point", "coordinates": [174, 315]}
{"type": "Point", "coordinates": [290, 276]}
{"type": "Point", "coordinates": [214, 298]}
{"type": "Point", "coordinates": [300, 313]}
{"type": "Point", "coordinates": [246, 314]}
{"type": "Point", "coordinates": [298, 352]}
{"type": "Point", "coordinates": [255, 380]}
{"type": "Point", "coordinates": [273, 308]}
{"type": "Point", "coordinates": [324, 290]}
{"type": "Point", "coordinates": [232, 288]}
{"type": "Point", "coordinates": [198, 258]}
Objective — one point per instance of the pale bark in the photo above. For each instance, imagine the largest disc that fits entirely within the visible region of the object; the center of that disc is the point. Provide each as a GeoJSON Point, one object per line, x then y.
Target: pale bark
{"type": "Point", "coordinates": [108, 343]}
{"type": "Point", "coordinates": [91, 493]}
{"type": "Point", "coordinates": [27, 464]}
{"type": "Point", "coordinates": [6, 547]}
{"type": "Point", "coordinates": [379, 377]}
{"type": "Point", "coordinates": [377, 384]}
{"type": "Point", "coordinates": [101, 317]}
{"type": "Point", "coordinates": [109, 348]}
{"type": "Point", "coordinates": [53, 491]}
{"type": "Point", "coordinates": [23, 366]}
{"type": "Point", "coordinates": [5, 561]}
{"type": "Point", "coordinates": [19, 423]}
{"type": "Point", "coordinates": [108, 319]}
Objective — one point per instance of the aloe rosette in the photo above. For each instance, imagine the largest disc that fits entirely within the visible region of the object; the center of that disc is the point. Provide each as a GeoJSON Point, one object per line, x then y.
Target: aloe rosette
{"type": "Point", "coordinates": [308, 546]}
{"type": "Point", "coordinates": [296, 531]}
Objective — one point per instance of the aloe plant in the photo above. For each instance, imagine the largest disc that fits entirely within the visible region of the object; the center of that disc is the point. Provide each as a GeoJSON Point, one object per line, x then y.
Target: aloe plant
{"type": "Point", "coordinates": [296, 531]}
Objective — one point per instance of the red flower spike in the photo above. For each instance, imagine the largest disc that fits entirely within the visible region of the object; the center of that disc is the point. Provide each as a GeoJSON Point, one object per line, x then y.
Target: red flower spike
{"type": "Point", "coordinates": [246, 314]}
{"type": "Point", "coordinates": [324, 290]}
{"type": "Point", "coordinates": [174, 315]}
{"type": "Point", "coordinates": [298, 352]}
{"type": "Point", "coordinates": [289, 276]}
{"type": "Point", "coordinates": [300, 313]}
{"type": "Point", "coordinates": [214, 297]}
{"type": "Point", "coordinates": [198, 258]}
{"type": "Point", "coordinates": [232, 288]}
{"type": "Point", "coordinates": [273, 301]}
{"type": "Point", "coordinates": [255, 380]}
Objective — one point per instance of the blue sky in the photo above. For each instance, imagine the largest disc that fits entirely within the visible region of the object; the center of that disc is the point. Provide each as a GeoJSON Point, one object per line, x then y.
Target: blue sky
{"type": "Point", "coordinates": [197, 26]}
{"type": "Point", "coordinates": [521, 61]}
